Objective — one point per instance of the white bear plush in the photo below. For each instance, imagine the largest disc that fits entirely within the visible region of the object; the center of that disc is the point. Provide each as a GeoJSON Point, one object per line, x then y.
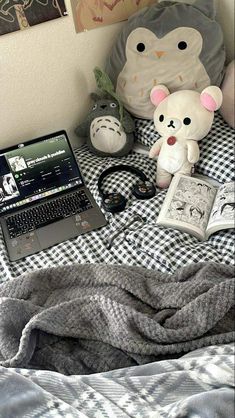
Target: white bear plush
{"type": "Point", "coordinates": [182, 119]}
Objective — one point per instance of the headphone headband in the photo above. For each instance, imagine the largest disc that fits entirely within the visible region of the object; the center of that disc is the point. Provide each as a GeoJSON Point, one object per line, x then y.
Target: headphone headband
{"type": "Point", "coordinates": [120, 167]}
{"type": "Point", "coordinates": [116, 202]}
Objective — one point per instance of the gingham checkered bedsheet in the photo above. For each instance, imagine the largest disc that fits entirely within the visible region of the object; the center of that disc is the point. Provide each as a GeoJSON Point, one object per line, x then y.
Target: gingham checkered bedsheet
{"type": "Point", "coordinates": [143, 244]}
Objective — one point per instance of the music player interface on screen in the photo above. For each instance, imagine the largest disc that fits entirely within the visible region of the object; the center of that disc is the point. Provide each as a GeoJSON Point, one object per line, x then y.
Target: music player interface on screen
{"type": "Point", "coordinates": [32, 172]}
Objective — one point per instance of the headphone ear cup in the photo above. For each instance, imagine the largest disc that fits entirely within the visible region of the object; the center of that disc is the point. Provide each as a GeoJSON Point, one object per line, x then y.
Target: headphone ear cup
{"type": "Point", "coordinates": [144, 190]}
{"type": "Point", "coordinates": [114, 202]}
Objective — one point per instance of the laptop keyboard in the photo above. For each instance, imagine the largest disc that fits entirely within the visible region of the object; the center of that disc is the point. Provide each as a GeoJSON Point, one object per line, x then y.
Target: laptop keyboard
{"type": "Point", "coordinates": [46, 213]}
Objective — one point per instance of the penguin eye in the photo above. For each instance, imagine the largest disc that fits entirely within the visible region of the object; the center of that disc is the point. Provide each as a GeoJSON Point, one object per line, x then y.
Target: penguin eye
{"type": "Point", "coordinates": [187, 121]}
{"type": "Point", "coordinates": [113, 105]}
{"type": "Point", "coordinates": [161, 118]}
{"type": "Point", "coordinates": [94, 107]}
{"type": "Point", "coordinates": [182, 45]}
{"type": "Point", "coordinates": [140, 47]}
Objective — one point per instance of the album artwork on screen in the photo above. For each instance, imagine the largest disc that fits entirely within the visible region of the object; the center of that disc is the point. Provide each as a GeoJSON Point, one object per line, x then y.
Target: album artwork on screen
{"type": "Point", "coordinates": [198, 207]}
{"type": "Point", "coordinates": [36, 171]}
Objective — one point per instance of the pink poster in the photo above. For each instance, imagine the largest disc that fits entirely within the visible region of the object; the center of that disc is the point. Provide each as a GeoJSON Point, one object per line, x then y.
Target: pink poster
{"type": "Point", "coordinates": [90, 14]}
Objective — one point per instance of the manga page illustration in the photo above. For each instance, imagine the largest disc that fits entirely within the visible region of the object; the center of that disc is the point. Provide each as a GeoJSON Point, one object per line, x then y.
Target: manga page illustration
{"type": "Point", "coordinates": [188, 205]}
{"type": "Point", "coordinates": [191, 202]}
{"type": "Point", "coordinates": [224, 205]}
{"type": "Point", "coordinates": [198, 207]}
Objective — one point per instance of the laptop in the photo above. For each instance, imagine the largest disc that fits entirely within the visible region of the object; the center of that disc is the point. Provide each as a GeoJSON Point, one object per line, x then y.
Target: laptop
{"type": "Point", "coordinates": [43, 197]}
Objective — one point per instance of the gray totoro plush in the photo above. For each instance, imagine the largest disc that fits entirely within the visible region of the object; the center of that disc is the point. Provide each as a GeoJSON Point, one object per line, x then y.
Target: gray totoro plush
{"type": "Point", "coordinates": [107, 133]}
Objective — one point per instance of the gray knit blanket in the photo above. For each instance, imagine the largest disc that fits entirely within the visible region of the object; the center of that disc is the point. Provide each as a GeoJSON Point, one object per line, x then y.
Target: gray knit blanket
{"type": "Point", "coordinates": [80, 319]}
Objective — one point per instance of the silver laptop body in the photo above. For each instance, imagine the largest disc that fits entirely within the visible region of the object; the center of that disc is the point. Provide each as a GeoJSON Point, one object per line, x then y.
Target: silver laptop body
{"type": "Point", "coordinates": [43, 197]}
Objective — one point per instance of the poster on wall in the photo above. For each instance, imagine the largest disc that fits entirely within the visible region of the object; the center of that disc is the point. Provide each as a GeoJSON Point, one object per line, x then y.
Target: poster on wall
{"type": "Point", "coordinates": [22, 14]}
{"type": "Point", "coordinates": [90, 14]}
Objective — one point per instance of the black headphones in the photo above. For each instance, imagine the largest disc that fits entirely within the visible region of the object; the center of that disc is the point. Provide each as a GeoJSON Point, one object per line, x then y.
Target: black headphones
{"type": "Point", "coordinates": [116, 202]}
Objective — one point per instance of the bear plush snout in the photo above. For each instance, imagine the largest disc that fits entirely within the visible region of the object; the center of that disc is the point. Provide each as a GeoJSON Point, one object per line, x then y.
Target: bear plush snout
{"type": "Point", "coordinates": [171, 125]}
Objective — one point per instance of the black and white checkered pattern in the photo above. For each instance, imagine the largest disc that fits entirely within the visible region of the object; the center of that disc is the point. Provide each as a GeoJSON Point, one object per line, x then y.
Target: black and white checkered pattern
{"type": "Point", "coordinates": [216, 149]}
{"type": "Point", "coordinates": [146, 244]}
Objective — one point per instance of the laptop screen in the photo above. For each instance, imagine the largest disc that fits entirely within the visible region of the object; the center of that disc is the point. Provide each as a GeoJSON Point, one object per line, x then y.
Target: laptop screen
{"type": "Point", "coordinates": [36, 170]}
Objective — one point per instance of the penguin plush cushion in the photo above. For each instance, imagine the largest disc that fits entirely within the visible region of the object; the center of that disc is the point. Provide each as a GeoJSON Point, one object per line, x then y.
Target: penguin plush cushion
{"type": "Point", "coordinates": [107, 133]}
{"type": "Point", "coordinates": [176, 44]}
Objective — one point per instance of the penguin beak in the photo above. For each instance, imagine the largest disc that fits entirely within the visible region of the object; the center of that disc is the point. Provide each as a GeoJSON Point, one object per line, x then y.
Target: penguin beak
{"type": "Point", "coordinates": [159, 53]}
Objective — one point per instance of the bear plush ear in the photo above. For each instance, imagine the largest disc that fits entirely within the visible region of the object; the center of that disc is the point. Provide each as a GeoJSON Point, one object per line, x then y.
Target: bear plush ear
{"type": "Point", "coordinates": [211, 98]}
{"type": "Point", "coordinates": [158, 94]}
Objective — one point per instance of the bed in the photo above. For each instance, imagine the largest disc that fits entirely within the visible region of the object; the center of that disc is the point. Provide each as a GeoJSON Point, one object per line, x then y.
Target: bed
{"type": "Point", "coordinates": [115, 376]}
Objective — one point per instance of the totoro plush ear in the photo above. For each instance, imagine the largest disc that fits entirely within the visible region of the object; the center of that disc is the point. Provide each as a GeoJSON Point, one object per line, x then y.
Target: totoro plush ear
{"type": "Point", "coordinates": [108, 96]}
{"type": "Point", "coordinates": [95, 97]}
{"type": "Point", "coordinates": [211, 98]}
{"type": "Point", "coordinates": [158, 94]}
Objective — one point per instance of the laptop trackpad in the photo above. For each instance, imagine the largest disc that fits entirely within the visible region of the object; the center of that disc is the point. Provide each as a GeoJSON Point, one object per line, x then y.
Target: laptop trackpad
{"type": "Point", "coordinates": [56, 232]}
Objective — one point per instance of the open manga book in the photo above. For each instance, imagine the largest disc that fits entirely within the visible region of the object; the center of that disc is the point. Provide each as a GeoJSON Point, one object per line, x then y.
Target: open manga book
{"type": "Point", "coordinates": [198, 207]}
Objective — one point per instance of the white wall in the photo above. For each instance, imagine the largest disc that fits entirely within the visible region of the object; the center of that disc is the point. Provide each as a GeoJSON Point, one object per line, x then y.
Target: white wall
{"type": "Point", "coordinates": [226, 11]}
{"type": "Point", "coordinates": [46, 74]}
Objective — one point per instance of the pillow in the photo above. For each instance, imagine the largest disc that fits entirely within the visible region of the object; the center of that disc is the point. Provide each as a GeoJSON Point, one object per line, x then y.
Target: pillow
{"type": "Point", "coordinates": [228, 106]}
{"type": "Point", "coordinates": [176, 44]}
{"type": "Point", "coordinates": [216, 149]}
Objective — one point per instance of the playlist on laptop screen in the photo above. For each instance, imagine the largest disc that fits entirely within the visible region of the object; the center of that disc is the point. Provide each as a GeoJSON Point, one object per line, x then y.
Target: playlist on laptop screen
{"type": "Point", "coordinates": [32, 172]}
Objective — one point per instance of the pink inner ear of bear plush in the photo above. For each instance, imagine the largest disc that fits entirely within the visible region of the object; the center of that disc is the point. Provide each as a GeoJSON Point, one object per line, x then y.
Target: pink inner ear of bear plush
{"type": "Point", "coordinates": [157, 96]}
{"type": "Point", "coordinates": [208, 102]}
